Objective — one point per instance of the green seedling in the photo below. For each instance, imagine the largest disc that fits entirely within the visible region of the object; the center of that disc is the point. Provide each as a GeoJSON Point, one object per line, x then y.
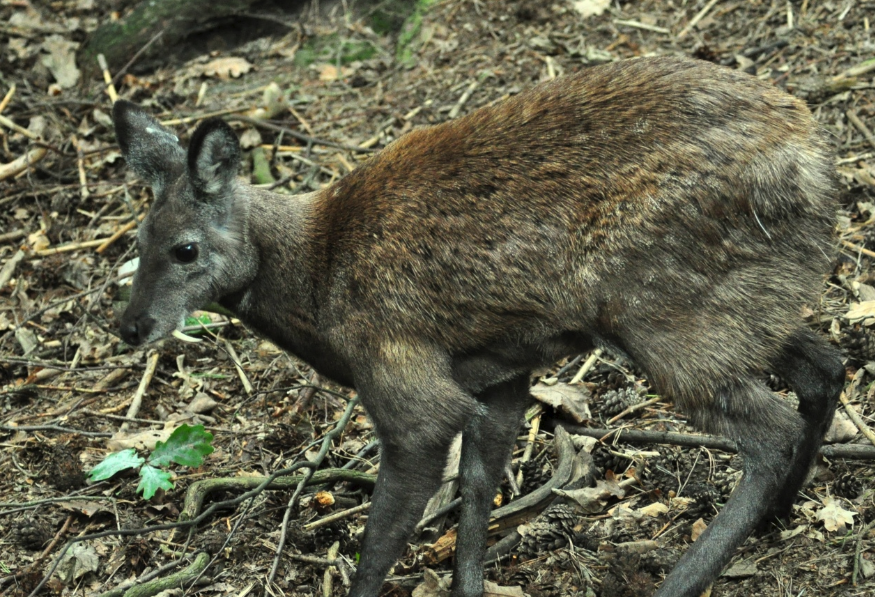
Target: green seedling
{"type": "Point", "coordinates": [186, 446]}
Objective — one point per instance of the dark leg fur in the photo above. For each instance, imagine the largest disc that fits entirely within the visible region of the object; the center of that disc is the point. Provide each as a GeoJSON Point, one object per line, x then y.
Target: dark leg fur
{"type": "Point", "coordinates": [815, 372]}
{"type": "Point", "coordinates": [486, 445]}
{"type": "Point", "coordinates": [416, 423]}
{"type": "Point", "coordinates": [398, 502]}
{"type": "Point", "coordinates": [778, 446]}
{"type": "Point", "coordinates": [768, 434]}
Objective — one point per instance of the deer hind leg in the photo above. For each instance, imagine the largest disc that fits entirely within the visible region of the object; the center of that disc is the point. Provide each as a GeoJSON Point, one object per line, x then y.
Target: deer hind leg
{"type": "Point", "coordinates": [814, 370]}
{"type": "Point", "coordinates": [770, 436]}
{"type": "Point", "coordinates": [486, 446]}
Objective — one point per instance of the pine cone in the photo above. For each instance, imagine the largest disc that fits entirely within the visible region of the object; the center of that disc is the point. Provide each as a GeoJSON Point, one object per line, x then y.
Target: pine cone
{"type": "Point", "coordinates": [616, 401]}
{"type": "Point", "coordinates": [552, 529]}
{"type": "Point", "coordinates": [664, 471]}
{"type": "Point", "coordinates": [858, 341]}
{"type": "Point", "coordinates": [848, 486]}
{"type": "Point", "coordinates": [706, 497]}
{"type": "Point", "coordinates": [534, 476]}
{"type": "Point", "coordinates": [32, 533]}
{"type": "Point", "coordinates": [604, 461]}
{"type": "Point", "coordinates": [327, 534]}
{"type": "Point", "coordinates": [725, 482]}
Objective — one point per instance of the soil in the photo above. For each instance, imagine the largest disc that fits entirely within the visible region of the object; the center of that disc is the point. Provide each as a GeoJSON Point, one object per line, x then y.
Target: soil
{"type": "Point", "coordinates": [358, 75]}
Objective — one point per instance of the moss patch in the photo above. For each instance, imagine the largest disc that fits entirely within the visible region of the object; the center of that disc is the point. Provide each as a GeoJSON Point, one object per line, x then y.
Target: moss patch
{"type": "Point", "coordinates": [329, 48]}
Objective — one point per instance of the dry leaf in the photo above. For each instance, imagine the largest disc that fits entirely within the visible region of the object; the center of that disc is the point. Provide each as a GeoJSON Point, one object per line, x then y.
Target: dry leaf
{"type": "Point", "coordinates": [61, 60]}
{"type": "Point", "coordinates": [201, 403]}
{"type": "Point", "coordinates": [841, 430]}
{"type": "Point", "coordinates": [860, 311]}
{"type": "Point", "coordinates": [590, 8]}
{"type": "Point", "coordinates": [834, 517]}
{"type": "Point", "coordinates": [79, 560]}
{"type": "Point", "coordinates": [592, 499]}
{"type": "Point", "coordinates": [789, 534]}
{"type": "Point", "coordinates": [490, 588]}
{"type": "Point", "coordinates": [653, 510]}
{"type": "Point", "coordinates": [741, 570]}
{"type": "Point", "coordinates": [432, 585]}
{"type": "Point", "coordinates": [329, 72]}
{"type": "Point", "coordinates": [37, 241]}
{"type": "Point", "coordinates": [572, 400]}
{"type": "Point", "coordinates": [698, 528]}
{"type": "Point", "coordinates": [144, 440]}
{"type": "Point", "coordinates": [227, 68]}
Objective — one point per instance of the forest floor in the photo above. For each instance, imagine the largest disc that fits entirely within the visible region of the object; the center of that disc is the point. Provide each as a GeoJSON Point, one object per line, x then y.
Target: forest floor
{"type": "Point", "coordinates": [359, 75]}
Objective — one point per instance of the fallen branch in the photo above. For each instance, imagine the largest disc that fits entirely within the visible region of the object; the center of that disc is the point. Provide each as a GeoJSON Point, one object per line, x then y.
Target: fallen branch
{"type": "Point", "coordinates": [198, 491]}
{"type": "Point", "coordinates": [165, 583]}
{"type": "Point", "coordinates": [855, 451]}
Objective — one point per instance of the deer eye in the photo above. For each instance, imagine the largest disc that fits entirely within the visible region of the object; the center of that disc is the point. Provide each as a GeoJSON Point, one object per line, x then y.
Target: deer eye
{"type": "Point", "coordinates": [186, 253]}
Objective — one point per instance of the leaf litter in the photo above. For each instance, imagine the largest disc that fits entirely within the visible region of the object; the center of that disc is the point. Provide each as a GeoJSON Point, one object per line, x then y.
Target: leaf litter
{"type": "Point", "coordinates": [354, 79]}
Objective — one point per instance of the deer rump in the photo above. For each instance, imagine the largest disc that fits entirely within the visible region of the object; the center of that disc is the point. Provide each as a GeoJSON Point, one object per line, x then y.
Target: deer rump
{"type": "Point", "coordinates": [671, 209]}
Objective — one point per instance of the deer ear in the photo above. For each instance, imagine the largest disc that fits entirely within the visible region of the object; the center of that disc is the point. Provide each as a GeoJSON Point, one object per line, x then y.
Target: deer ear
{"type": "Point", "coordinates": [151, 150]}
{"type": "Point", "coordinates": [213, 157]}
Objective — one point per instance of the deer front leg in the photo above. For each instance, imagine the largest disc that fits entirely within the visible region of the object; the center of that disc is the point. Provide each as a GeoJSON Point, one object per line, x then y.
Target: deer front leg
{"type": "Point", "coordinates": [417, 410]}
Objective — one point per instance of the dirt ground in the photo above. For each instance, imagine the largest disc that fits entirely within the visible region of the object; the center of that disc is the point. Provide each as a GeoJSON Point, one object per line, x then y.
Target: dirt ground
{"type": "Point", "coordinates": [332, 77]}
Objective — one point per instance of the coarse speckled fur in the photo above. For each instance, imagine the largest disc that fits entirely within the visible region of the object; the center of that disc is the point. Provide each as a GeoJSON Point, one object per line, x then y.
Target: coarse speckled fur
{"type": "Point", "coordinates": [669, 208]}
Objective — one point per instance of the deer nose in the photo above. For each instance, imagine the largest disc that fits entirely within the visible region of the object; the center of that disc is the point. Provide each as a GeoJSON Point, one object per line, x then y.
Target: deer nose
{"type": "Point", "coordinates": [136, 329]}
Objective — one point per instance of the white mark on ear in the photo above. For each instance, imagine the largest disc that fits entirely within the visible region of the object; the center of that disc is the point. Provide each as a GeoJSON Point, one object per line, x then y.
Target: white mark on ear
{"type": "Point", "coordinates": [161, 133]}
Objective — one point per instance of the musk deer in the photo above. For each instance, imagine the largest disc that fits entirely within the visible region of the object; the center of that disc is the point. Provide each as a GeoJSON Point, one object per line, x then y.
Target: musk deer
{"type": "Point", "coordinates": [675, 211]}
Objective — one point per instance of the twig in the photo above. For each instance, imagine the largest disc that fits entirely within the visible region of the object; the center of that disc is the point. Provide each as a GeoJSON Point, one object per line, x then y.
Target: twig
{"type": "Point", "coordinates": [695, 20]}
{"type": "Point", "coordinates": [855, 158]}
{"type": "Point", "coordinates": [80, 164]}
{"type": "Point", "coordinates": [247, 386]}
{"type": "Point", "coordinates": [57, 428]}
{"type": "Point", "coordinates": [110, 378]}
{"type": "Point", "coordinates": [7, 98]}
{"type": "Point", "coordinates": [530, 443]}
{"type": "Point", "coordinates": [297, 135]}
{"type": "Point", "coordinates": [463, 99]}
{"type": "Point", "coordinates": [86, 244]}
{"type": "Point", "coordinates": [337, 516]}
{"type": "Point", "coordinates": [12, 235]}
{"type": "Point", "coordinates": [8, 268]}
{"type": "Point", "coordinates": [110, 87]}
{"type": "Point", "coordinates": [858, 248]}
{"type": "Point", "coordinates": [178, 579]}
{"type": "Point", "coordinates": [860, 69]}
{"type": "Point", "coordinates": [18, 129]}
{"type": "Point", "coordinates": [633, 408]}
{"type": "Point", "coordinates": [135, 57]}
{"type": "Point", "coordinates": [644, 26]}
{"type": "Point", "coordinates": [19, 507]}
{"type": "Point", "coordinates": [852, 413]}
{"type": "Point", "coordinates": [861, 126]}
{"type": "Point", "coordinates": [328, 576]}
{"type": "Point", "coordinates": [316, 560]}
{"type": "Point", "coordinates": [54, 542]}
{"type": "Point", "coordinates": [22, 162]}
{"type": "Point", "coordinates": [137, 401]}
{"type": "Point", "coordinates": [119, 233]}
{"type": "Point", "coordinates": [121, 590]}
{"type": "Point", "coordinates": [587, 365]}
